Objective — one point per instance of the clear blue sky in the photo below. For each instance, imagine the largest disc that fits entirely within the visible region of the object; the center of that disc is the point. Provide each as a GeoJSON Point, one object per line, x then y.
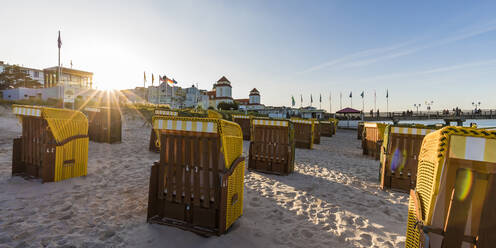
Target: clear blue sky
{"type": "Point", "coordinates": [442, 51]}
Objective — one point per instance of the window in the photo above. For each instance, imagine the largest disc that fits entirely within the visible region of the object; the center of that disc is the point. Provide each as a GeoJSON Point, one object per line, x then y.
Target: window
{"type": "Point", "coordinates": [36, 74]}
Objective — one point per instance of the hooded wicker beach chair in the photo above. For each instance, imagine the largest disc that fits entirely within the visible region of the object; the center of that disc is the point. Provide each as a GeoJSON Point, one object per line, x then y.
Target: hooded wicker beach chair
{"type": "Point", "coordinates": [399, 156]}
{"type": "Point", "coordinates": [104, 124]}
{"type": "Point", "coordinates": [372, 139]}
{"type": "Point", "coordinates": [360, 130]}
{"type": "Point", "coordinates": [335, 123]}
{"type": "Point", "coordinates": [272, 148]}
{"type": "Point", "coordinates": [304, 132]}
{"type": "Point", "coordinates": [53, 145]}
{"type": "Point", "coordinates": [326, 128]}
{"type": "Point", "coordinates": [153, 145]}
{"type": "Point", "coordinates": [454, 202]}
{"type": "Point", "coordinates": [316, 132]}
{"type": "Point", "coordinates": [198, 183]}
{"type": "Point", "coordinates": [244, 122]}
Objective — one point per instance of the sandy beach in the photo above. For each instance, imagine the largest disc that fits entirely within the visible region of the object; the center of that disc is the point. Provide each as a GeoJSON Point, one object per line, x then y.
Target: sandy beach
{"type": "Point", "coordinates": [331, 200]}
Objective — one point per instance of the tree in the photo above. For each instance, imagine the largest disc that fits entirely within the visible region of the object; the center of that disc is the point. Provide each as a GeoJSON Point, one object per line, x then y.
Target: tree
{"type": "Point", "coordinates": [13, 77]}
{"type": "Point", "coordinates": [228, 106]}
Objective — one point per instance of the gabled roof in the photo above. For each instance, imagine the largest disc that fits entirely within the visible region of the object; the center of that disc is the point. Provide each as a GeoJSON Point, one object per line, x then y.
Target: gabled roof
{"type": "Point", "coordinates": [223, 79]}
{"type": "Point", "coordinates": [254, 90]}
{"type": "Point", "coordinates": [348, 111]}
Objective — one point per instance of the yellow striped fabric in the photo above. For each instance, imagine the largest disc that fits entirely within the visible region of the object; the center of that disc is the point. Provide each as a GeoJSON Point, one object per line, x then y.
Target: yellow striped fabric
{"type": "Point", "coordinates": [410, 130]}
{"type": "Point", "coordinates": [92, 109]}
{"type": "Point", "coordinates": [302, 121]}
{"type": "Point", "coordinates": [241, 116]}
{"type": "Point", "coordinates": [370, 124]}
{"type": "Point", "coordinates": [270, 123]}
{"type": "Point", "coordinates": [473, 148]}
{"type": "Point", "coordinates": [27, 111]}
{"type": "Point", "coordinates": [185, 125]}
{"type": "Point", "coordinates": [165, 112]}
{"type": "Point", "coordinates": [325, 122]}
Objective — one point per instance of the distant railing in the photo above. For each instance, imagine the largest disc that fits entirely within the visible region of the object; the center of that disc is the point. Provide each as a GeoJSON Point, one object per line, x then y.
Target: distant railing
{"type": "Point", "coordinates": [436, 114]}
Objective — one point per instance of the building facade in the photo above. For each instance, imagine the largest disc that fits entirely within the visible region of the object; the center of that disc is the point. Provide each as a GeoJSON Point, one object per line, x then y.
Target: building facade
{"type": "Point", "coordinates": [252, 103]}
{"type": "Point", "coordinates": [68, 76]}
{"type": "Point", "coordinates": [35, 74]}
{"type": "Point", "coordinates": [164, 93]}
{"type": "Point", "coordinates": [223, 91]}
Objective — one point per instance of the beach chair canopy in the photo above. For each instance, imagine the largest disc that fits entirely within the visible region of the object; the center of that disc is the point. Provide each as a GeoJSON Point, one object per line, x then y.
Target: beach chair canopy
{"type": "Point", "coordinates": [454, 202]}
{"type": "Point", "coordinates": [63, 123]}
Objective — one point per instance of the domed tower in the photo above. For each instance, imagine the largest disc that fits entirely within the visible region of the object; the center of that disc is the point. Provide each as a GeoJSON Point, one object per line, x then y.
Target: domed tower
{"type": "Point", "coordinates": [254, 97]}
{"type": "Point", "coordinates": [223, 91]}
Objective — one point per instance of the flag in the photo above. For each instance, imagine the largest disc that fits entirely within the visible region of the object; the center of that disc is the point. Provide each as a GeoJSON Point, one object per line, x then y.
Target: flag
{"type": "Point", "coordinates": [144, 76]}
{"type": "Point", "coordinates": [387, 93]}
{"type": "Point", "coordinates": [59, 41]}
{"type": "Point", "coordinates": [311, 98]}
{"type": "Point", "coordinates": [320, 98]}
{"type": "Point", "coordinates": [168, 80]}
{"type": "Point", "coordinates": [363, 93]}
{"type": "Point", "coordinates": [351, 95]}
{"type": "Point", "coordinates": [301, 98]}
{"type": "Point", "coordinates": [292, 101]}
{"type": "Point", "coordinates": [153, 79]}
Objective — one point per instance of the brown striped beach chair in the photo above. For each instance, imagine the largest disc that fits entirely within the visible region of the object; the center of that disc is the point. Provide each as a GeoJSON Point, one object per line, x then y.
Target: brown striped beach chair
{"type": "Point", "coordinates": [304, 132]}
{"type": "Point", "coordinates": [399, 156]}
{"type": "Point", "coordinates": [326, 128]}
{"type": "Point", "coordinates": [272, 148]}
{"type": "Point", "coordinates": [372, 139]}
{"type": "Point", "coordinates": [198, 183]}
{"type": "Point", "coordinates": [244, 121]}
{"type": "Point", "coordinates": [104, 124]}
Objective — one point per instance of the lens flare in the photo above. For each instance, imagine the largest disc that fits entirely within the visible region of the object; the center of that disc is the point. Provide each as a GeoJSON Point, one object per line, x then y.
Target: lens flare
{"type": "Point", "coordinates": [396, 161]}
{"type": "Point", "coordinates": [465, 180]}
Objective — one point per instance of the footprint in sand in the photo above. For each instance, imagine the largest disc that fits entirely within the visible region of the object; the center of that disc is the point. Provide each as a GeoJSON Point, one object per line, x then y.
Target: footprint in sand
{"type": "Point", "coordinates": [365, 240]}
{"type": "Point", "coordinates": [306, 233]}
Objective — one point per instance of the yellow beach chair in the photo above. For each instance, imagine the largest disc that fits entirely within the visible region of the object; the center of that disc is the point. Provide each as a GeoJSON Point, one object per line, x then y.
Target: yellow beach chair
{"type": "Point", "coordinates": [304, 132]}
{"type": "Point", "coordinates": [53, 145]}
{"type": "Point", "coordinates": [454, 202]}
{"type": "Point", "coordinates": [198, 183]}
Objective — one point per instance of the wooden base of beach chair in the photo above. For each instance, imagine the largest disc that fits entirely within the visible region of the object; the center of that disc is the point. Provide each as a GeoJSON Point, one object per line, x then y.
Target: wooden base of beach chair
{"type": "Point", "coordinates": [272, 159]}
{"type": "Point", "coordinates": [303, 145]}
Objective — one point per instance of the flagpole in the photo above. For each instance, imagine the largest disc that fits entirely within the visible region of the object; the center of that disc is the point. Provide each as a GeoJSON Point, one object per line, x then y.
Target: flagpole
{"type": "Point", "coordinates": [363, 104]}
{"type": "Point", "coordinates": [340, 100]}
{"type": "Point", "coordinates": [387, 103]}
{"type": "Point", "coordinates": [375, 101]}
{"type": "Point", "coordinates": [59, 44]}
{"type": "Point", "coordinates": [330, 102]}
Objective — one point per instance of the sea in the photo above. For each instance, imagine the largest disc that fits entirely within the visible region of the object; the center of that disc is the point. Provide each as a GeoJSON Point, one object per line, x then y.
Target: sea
{"type": "Point", "coordinates": [482, 123]}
